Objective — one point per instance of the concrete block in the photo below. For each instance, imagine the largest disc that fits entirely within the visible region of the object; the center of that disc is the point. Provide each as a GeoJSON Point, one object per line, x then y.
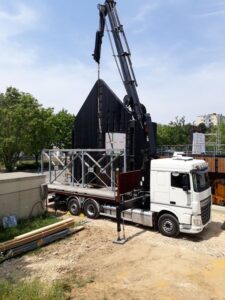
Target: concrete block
{"type": "Point", "coordinates": [20, 195]}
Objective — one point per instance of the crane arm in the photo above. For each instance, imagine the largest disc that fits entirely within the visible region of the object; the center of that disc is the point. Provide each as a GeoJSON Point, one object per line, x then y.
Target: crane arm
{"type": "Point", "coordinates": [124, 56]}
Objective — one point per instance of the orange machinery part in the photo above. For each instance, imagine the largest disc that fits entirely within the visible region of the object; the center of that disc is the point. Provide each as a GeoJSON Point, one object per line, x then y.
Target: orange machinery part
{"type": "Point", "coordinates": [218, 192]}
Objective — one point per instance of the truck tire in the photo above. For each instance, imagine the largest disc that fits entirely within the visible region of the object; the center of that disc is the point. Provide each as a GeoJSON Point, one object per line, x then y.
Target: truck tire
{"type": "Point", "coordinates": [91, 209]}
{"type": "Point", "coordinates": [74, 206]}
{"type": "Point", "coordinates": [168, 225]}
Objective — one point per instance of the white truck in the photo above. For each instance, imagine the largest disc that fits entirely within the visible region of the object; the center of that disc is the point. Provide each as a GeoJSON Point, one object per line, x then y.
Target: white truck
{"type": "Point", "coordinates": [180, 194]}
{"type": "Point", "coordinates": [179, 199]}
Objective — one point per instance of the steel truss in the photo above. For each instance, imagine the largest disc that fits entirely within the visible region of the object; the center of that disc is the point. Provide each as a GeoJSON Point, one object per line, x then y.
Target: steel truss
{"type": "Point", "coordinates": [84, 167]}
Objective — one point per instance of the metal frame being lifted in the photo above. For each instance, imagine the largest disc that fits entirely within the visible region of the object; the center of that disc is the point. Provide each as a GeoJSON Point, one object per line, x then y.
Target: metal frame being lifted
{"type": "Point", "coordinates": [99, 163]}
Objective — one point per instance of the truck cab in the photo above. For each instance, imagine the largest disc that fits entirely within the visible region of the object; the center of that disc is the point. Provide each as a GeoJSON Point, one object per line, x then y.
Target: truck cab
{"type": "Point", "coordinates": [180, 194]}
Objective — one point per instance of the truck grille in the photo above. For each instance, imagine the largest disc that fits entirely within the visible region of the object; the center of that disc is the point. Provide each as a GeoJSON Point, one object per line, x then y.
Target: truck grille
{"type": "Point", "coordinates": [206, 210]}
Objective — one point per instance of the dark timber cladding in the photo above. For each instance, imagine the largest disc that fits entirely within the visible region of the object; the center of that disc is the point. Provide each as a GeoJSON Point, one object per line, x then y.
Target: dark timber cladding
{"type": "Point", "coordinates": [113, 114]}
{"type": "Point", "coordinates": [104, 112]}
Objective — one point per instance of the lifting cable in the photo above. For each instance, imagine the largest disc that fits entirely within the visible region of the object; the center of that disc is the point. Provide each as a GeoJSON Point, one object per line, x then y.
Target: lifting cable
{"type": "Point", "coordinates": [99, 100]}
{"type": "Point", "coordinates": [113, 50]}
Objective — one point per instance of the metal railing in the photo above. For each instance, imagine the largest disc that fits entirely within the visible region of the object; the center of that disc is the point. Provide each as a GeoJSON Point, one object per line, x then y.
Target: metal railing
{"type": "Point", "coordinates": [210, 149]}
{"type": "Point", "coordinates": [83, 167]}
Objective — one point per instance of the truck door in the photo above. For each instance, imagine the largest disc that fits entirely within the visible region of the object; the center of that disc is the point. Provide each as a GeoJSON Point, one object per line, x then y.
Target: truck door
{"type": "Point", "coordinates": [180, 194]}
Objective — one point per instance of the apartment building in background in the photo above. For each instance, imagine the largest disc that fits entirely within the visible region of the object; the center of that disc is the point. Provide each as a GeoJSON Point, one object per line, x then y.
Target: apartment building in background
{"type": "Point", "coordinates": [210, 119]}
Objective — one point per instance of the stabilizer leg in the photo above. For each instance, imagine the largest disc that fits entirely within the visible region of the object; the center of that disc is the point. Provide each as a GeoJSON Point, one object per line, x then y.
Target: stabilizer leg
{"type": "Point", "coordinates": [119, 240]}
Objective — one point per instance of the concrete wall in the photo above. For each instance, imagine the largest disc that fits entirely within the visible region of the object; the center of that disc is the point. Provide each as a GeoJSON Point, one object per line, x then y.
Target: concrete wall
{"type": "Point", "coordinates": [20, 195]}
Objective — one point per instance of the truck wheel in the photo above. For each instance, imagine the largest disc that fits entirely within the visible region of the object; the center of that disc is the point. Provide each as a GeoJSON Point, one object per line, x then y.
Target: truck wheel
{"type": "Point", "coordinates": [74, 206]}
{"type": "Point", "coordinates": [168, 225]}
{"type": "Point", "coordinates": [91, 209]}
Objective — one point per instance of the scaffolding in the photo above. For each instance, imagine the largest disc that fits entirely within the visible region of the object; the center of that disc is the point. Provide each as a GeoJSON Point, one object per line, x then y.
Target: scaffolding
{"type": "Point", "coordinates": [211, 148]}
{"type": "Point", "coordinates": [83, 167]}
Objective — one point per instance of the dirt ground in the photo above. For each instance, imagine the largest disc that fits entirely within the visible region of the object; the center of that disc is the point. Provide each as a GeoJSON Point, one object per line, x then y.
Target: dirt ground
{"type": "Point", "coordinates": [148, 266]}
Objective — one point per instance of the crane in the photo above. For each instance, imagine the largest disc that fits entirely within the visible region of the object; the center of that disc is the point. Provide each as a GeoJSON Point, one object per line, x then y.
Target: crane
{"type": "Point", "coordinates": [126, 71]}
{"type": "Point", "coordinates": [131, 100]}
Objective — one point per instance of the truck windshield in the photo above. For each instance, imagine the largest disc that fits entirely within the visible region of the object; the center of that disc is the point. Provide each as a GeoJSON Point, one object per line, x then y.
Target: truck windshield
{"type": "Point", "coordinates": [200, 181]}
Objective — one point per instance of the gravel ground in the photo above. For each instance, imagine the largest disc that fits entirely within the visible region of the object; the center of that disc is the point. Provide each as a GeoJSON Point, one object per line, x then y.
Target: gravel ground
{"type": "Point", "coordinates": [148, 266]}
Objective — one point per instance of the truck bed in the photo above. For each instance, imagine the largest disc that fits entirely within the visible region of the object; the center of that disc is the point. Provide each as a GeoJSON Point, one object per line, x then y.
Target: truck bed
{"type": "Point", "coordinates": [86, 192]}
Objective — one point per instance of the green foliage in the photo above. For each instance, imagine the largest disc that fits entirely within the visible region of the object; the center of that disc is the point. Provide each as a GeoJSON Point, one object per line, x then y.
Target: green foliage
{"type": "Point", "coordinates": [63, 122]}
{"type": "Point", "coordinates": [27, 225]}
{"type": "Point", "coordinates": [40, 132]}
{"type": "Point", "coordinates": [37, 290]}
{"type": "Point", "coordinates": [202, 128]}
{"type": "Point", "coordinates": [222, 131]}
{"type": "Point", "coordinates": [33, 290]}
{"type": "Point", "coordinates": [176, 133]}
{"type": "Point", "coordinates": [28, 166]}
{"type": "Point", "coordinates": [24, 126]}
{"type": "Point", "coordinates": [216, 130]}
{"type": "Point", "coordinates": [11, 127]}
{"type": "Point", "coordinates": [27, 128]}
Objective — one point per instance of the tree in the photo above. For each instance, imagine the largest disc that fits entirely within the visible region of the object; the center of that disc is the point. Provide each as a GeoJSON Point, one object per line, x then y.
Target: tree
{"type": "Point", "coordinates": [202, 128]}
{"type": "Point", "coordinates": [176, 133]}
{"type": "Point", "coordinates": [63, 124]}
{"type": "Point", "coordinates": [164, 134]}
{"type": "Point", "coordinates": [222, 131]}
{"type": "Point", "coordinates": [40, 133]}
{"type": "Point", "coordinates": [25, 126]}
{"type": "Point", "coordinates": [215, 131]}
{"type": "Point", "coordinates": [181, 131]}
{"type": "Point", "coordinates": [12, 125]}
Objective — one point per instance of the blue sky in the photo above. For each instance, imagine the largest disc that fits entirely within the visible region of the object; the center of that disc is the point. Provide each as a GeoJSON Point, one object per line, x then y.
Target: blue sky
{"type": "Point", "coordinates": [178, 53]}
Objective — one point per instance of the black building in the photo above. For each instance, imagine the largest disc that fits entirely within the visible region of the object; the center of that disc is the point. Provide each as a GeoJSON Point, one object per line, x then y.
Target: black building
{"type": "Point", "coordinates": [103, 112]}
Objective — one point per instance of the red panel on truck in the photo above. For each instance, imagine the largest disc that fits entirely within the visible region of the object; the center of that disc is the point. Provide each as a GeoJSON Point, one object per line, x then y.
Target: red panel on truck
{"type": "Point", "coordinates": [127, 182]}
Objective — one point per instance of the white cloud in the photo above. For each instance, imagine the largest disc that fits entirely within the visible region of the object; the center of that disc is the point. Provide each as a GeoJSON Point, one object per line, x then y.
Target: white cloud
{"type": "Point", "coordinates": [145, 10]}
{"type": "Point", "coordinates": [195, 93]}
{"type": "Point", "coordinates": [168, 91]}
{"type": "Point", "coordinates": [11, 24]}
{"type": "Point", "coordinates": [14, 54]}
{"type": "Point", "coordinates": [165, 92]}
{"type": "Point", "coordinates": [59, 86]}
{"type": "Point", "coordinates": [216, 13]}
{"type": "Point", "coordinates": [54, 85]}
{"type": "Point", "coordinates": [140, 22]}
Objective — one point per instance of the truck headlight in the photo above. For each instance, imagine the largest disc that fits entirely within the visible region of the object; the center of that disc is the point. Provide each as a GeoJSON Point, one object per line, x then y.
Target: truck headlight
{"type": "Point", "coordinates": [197, 222]}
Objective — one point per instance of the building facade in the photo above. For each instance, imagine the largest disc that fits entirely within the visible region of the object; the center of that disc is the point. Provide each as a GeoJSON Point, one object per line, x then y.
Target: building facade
{"type": "Point", "coordinates": [210, 119]}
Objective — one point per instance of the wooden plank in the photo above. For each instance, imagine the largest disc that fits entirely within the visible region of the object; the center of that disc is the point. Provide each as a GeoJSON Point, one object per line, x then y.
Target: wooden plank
{"type": "Point", "coordinates": [221, 165]}
{"type": "Point", "coordinates": [15, 243]}
{"type": "Point", "coordinates": [36, 234]}
{"type": "Point", "coordinates": [39, 243]}
{"type": "Point", "coordinates": [58, 224]}
{"type": "Point", "coordinates": [211, 162]}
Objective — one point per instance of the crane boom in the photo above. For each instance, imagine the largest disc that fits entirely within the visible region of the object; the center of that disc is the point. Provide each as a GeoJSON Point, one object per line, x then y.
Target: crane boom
{"type": "Point", "coordinates": [128, 77]}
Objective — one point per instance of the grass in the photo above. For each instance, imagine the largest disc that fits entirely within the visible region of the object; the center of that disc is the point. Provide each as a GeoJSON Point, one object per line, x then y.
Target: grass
{"type": "Point", "coordinates": [25, 226]}
{"type": "Point", "coordinates": [37, 290]}
{"type": "Point", "coordinates": [33, 290]}
{"type": "Point", "coordinates": [13, 289]}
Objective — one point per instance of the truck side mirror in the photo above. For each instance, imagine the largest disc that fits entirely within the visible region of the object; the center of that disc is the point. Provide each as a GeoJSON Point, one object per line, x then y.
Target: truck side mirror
{"type": "Point", "coordinates": [185, 188]}
{"type": "Point", "coordinates": [185, 183]}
